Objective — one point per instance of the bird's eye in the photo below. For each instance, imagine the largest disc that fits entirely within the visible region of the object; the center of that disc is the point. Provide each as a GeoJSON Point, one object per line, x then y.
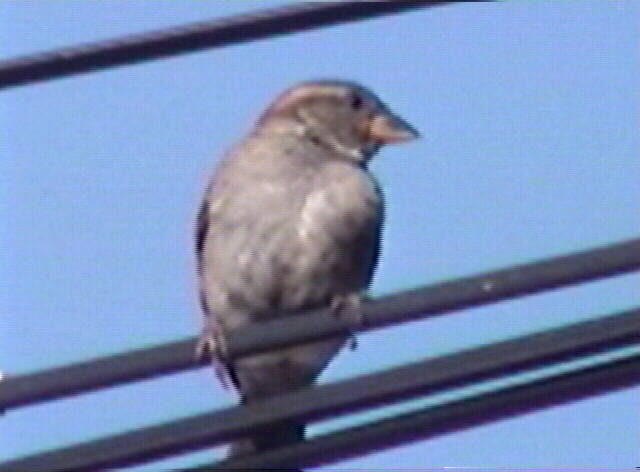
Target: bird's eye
{"type": "Point", "coordinates": [356, 102]}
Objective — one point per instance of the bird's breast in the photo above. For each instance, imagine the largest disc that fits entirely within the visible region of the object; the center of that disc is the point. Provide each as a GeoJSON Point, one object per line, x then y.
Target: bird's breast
{"type": "Point", "coordinates": [296, 246]}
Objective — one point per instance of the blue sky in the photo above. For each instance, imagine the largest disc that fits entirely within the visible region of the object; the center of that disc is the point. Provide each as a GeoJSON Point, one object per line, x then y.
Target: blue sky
{"type": "Point", "coordinates": [528, 112]}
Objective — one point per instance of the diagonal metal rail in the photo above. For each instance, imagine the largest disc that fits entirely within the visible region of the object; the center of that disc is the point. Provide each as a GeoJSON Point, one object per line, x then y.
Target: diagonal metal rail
{"type": "Point", "coordinates": [432, 300]}
{"type": "Point", "coordinates": [450, 417]}
{"type": "Point", "coordinates": [216, 32]}
{"type": "Point", "coordinates": [367, 391]}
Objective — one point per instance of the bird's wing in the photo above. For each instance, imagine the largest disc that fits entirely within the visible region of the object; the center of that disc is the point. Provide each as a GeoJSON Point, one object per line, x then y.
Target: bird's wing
{"type": "Point", "coordinates": [202, 228]}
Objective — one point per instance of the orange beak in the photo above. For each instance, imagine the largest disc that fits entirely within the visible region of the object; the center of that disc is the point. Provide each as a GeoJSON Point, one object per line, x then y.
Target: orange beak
{"type": "Point", "coordinates": [386, 128]}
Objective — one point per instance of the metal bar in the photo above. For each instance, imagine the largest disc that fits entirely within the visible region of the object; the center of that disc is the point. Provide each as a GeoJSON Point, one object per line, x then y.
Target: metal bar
{"type": "Point", "coordinates": [437, 299]}
{"type": "Point", "coordinates": [212, 33]}
{"type": "Point", "coordinates": [392, 385]}
{"type": "Point", "coordinates": [444, 419]}
{"type": "Point", "coordinates": [445, 297]}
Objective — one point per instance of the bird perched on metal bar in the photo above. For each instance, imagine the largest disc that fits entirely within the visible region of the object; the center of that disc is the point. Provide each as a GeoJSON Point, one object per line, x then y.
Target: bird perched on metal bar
{"type": "Point", "coordinates": [291, 221]}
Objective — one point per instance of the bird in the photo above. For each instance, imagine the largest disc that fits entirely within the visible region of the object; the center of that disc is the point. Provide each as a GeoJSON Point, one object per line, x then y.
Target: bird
{"type": "Point", "coordinates": [291, 220]}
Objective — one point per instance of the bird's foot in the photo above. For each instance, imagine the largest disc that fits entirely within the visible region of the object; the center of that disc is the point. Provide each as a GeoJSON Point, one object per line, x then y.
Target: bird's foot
{"type": "Point", "coordinates": [349, 309]}
{"type": "Point", "coordinates": [212, 344]}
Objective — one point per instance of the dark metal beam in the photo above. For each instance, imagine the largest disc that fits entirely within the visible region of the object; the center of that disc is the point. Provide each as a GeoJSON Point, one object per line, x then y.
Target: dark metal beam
{"type": "Point", "coordinates": [212, 33]}
{"type": "Point", "coordinates": [444, 419]}
{"type": "Point", "coordinates": [372, 390]}
{"type": "Point", "coordinates": [432, 300]}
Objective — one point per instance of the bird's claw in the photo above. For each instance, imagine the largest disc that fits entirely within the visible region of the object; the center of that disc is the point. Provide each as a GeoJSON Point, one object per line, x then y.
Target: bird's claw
{"type": "Point", "coordinates": [349, 308]}
{"type": "Point", "coordinates": [352, 341]}
{"type": "Point", "coordinates": [212, 344]}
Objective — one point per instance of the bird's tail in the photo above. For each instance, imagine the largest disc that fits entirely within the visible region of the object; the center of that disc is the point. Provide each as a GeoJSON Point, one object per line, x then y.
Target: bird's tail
{"type": "Point", "coordinates": [274, 437]}
{"type": "Point", "coordinates": [258, 382]}
{"type": "Point", "coordinates": [274, 373]}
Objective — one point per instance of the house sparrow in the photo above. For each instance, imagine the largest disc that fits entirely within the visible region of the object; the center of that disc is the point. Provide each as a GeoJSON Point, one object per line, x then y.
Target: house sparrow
{"type": "Point", "coordinates": [291, 221]}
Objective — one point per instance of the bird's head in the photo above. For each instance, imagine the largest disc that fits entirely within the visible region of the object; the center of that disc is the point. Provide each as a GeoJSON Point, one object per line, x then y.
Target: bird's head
{"type": "Point", "coordinates": [344, 117]}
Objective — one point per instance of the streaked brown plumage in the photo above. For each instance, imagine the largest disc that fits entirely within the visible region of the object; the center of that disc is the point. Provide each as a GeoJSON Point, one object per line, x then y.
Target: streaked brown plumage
{"type": "Point", "coordinates": [291, 221]}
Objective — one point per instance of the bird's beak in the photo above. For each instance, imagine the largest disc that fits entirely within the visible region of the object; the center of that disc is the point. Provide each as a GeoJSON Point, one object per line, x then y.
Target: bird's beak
{"type": "Point", "coordinates": [386, 128]}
